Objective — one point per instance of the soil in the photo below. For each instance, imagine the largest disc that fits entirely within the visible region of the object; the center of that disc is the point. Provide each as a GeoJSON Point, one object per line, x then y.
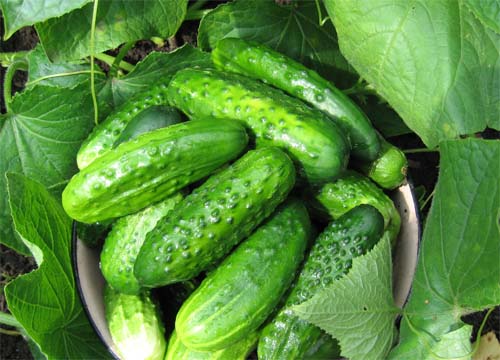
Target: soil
{"type": "Point", "coordinates": [423, 170]}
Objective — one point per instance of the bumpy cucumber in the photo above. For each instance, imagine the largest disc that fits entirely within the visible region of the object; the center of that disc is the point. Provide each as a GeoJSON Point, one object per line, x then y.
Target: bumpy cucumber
{"type": "Point", "coordinates": [237, 351]}
{"type": "Point", "coordinates": [124, 242]}
{"type": "Point", "coordinates": [325, 348]}
{"type": "Point", "coordinates": [255, 60]}
{"type": "Point", "coordinates": [104, 135]}
{"type": "Point", "coordinates": [150, 168]}
{"type": "Point", "coordinates": [135, 325]}
{"type": "Point", "coordinates": [214, 217]}
{"type": "Point", "coordinates": [389, 168]}
{"type": "Point", "coordinates": [240, 294]}
{"type": "Point", "coordinates": [353, 234]}
{"type": "Point", "coordinates": [313, 141]}
{"type": "Point", "coordinates": [334, 199]}
{"type": "Point", "coordinates": [149, 119]}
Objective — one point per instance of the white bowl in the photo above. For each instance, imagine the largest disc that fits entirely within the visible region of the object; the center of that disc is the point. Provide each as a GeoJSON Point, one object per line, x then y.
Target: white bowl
{"type": "Point", "coordinates": [90, 282]}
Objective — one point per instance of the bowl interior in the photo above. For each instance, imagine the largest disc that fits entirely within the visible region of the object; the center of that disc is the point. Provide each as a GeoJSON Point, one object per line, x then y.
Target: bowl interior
{"type": "Point", "coordinates": [91, 283]}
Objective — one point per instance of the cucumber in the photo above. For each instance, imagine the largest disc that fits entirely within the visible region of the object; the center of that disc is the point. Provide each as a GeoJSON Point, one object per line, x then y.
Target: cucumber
{"type": "Point", "coordinates": [104, 135]}
{"type": "Point", "coordinates": [149, 119]}
{"type": "Point", "coordinates": [353, 234]}
{"type": "Point", "coordinates": [124, 242]}
{"type": "Point", "coordinates": [389, 169]}
{"type": "Point", "coordinates": [312, 140]}
{"type": "Point", "coordinates": [238, 351]}
{"type": "Point", "coordinates": [334, 199]}
{"type": "Point", "coordinates": [204, 226]}
{"type": "Point", "coordinates": [241, 293]}
{"type": "Point", "coordinates": [326, 348]}
{"type": "Point", "coordinates": [258, 61]}
{"type": "Point", "coordinates": [135, 325]}
{"type": "Point", "coordinates": [150, 168]}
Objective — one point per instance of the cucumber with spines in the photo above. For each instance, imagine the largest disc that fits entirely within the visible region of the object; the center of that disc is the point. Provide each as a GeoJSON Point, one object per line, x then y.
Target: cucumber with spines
{"type": "Point", "coordinates": [235, 299]}
{"type": "Point", "coordinates": [289, 337]}
{"type": "Point", "coordinates": [150, 168]}
{"type": "Point", "coordinates": [216, 216]}
{"type": "Point", "coordinates": [238, 351]}
{"type": "Point", "coordinates": [259, 61]}
{"type": "Point", "coordinates": [317, 145]}
{"type": "Point", "coordinates": [124, 241]}
{"type": "Point", "coordinates": [104, 135]}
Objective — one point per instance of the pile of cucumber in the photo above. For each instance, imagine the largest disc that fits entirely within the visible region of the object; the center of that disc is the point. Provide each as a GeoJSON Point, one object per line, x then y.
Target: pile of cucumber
{"type": "Point", "coordinates": [240, 212]}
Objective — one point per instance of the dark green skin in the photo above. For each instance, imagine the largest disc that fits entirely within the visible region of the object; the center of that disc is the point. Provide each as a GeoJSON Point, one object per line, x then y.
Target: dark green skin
{"type": "Point", "coordinates": [234, 300]}
{"type": "Point", "coordinates": [224, 210]}
{"type": "Point", "coordinates": [104, 135]}
{"type": "Point", "coordinates": [353, 234]}
{"type": "Point", "coordinates": [150, 168]}
{"type": "Point", "coordinates": [152, 118]}
{"type": "Point", "coordinates": [258, 61]}
{"type": "Point", "coordinates": [313, 141]}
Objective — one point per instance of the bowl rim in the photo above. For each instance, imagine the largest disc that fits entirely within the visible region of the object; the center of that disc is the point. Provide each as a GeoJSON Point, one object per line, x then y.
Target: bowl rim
{"type": "Point", "coordinates": [111, 351]}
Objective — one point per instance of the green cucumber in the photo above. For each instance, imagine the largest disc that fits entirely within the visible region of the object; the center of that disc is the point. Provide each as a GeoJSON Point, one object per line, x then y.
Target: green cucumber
{"type": "Point", "coordinates": [389, 169]}
{"type": "Point", "coordinates": [204, 226]}
{"type": "Point", "coordinates": [241, 293]}
{"type": "Point", "coordinates": [334, 199]}
{"type": "Point", "coordinates": [149, 119]}
{"type": "Point", "coordinates": [258, 61]}
{"type": "Point", "coordinates": [325, 348]}
{"type": "Point", "coordinates": [353, 234]}
{"type": "Point", "coordinates": [150, 168]}
{"type": "Point", "coordinates": [238, 351]}
{"type": "Point", "coordinates": [135, 325]}
{"type": "Point", "coordinates": [104, 135]}
{"type": "Point", "coordinates": [312, 140]}
{"type": "Point", "coordinates": [124, 242]}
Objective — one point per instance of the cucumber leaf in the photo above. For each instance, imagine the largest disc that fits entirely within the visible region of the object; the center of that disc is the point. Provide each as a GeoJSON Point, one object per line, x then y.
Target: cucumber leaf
{"type": "Point", "coordinates": [118, 21]}
{"type": "Point", "coordinates": [358, 309]}
{"type": "Point", "coordinates": [292, 29]}
{"type": "Point", "coordinates": [433, 61]}
{"type": "Point", "coordinates": [45, 301]}
{"type": "Point", "coordinates": [20, 13]}
{"type": "Point", "coordinates": [40, 138]}
{"type": "Point", "coordinates": [487, 11]}
{"type": "Point", "coordinates": [458, 271]}
{"type": "Point", "coordinates": [157, 66]}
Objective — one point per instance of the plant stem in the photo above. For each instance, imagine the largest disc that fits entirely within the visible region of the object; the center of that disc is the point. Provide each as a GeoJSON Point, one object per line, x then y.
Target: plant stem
{"type": "Point", "coordinates": [108, 59]}
{"type": "Point", "coordinates": [197, 5]}
{"type": "Point", "coordinates": [8, 319]}
{"type": "Point", "coordinates": [196, 14]}
{"type": "Point", "coordinates": [7, 83]}
{"type": "Point", "coordinates": [10, 332]}
{"type": "Point", "coordinates": [322, 21]}
{"type": "Point", "coordinates": [92, 52]}
{"type": "Point", "coordinates": [62, 75]}
{"type": "Point", "coordinates": [420, 150]}
{"type": "Point", "coordinates": [480, 330]}
{"type": "Point", "coordinates": [7, 58]}
{"type": "Point", "coordinates": [424, 204]}
{"type": "Point", "coordinates": [118, 59]}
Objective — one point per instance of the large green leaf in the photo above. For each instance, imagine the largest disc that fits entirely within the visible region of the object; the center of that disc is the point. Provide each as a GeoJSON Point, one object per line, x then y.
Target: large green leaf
{"type": "Point", "coordinates": [458, 270]}
{"type": "Point", "coordinates": [291, 29]}
{"type": "Point", "coordinates": [118, 21]}
{"type": "Point", "coordinates": [358, 309]}
{"type": "Point", "coordinates": [433, 61]}
{"type": "Point", "coordinates": [40, 138]}
{"type": "Point", "coordinates": [157, 66]}
{"type": "Point", "coordinates": [45, 301]}
{"type": "Point", "coordinates": [488, 11]}
{"type": "Point", "coordinates": [19, 13]}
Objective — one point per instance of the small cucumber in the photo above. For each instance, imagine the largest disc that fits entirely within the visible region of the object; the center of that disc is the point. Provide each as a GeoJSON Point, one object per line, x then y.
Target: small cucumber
{"type": "Point", "coordinates": [313, 141]}
{"type": "Point", "coordinates": [353, 234]}
{"type": "Point", "coordinates": [326, 348]}
{"type": "Point", "coordinates": [150, 168]}
{"type": "Point", "coordinates": [124, 242]}
{"type": "Point", "coordinates": [241, 293]}
{"type": "Point", "coordinates": [215, 217]}
{"type": "Point", "coordinates": [104, 135]}
{"type": "Point", "coordinates": [389, 169]}
{"type": "Point", "coordinates": [258, 61]}
{"type": "Point", "coordinates": [149, 119]}
{"type": "Point", "coordinates": [238, 351]}
{"type": "Point", "coordinates": [135, 325]}
{"type": "Point", "coordinates": [334, 199]}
